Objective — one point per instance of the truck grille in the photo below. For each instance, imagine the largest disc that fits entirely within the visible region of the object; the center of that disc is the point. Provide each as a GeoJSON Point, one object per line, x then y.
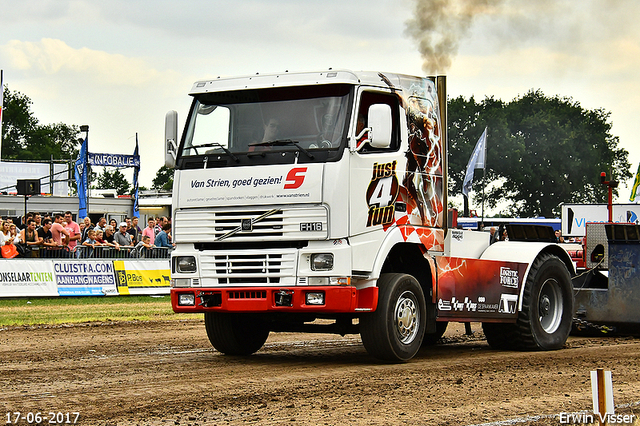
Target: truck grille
{"type": "Point", "coordinates": [248, 267]}
{"type": "Point", "coordinates": [207, 226]}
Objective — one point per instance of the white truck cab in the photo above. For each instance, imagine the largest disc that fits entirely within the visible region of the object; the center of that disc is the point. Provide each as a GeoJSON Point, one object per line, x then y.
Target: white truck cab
{"type": "Point", "coordinates": [322, 195]}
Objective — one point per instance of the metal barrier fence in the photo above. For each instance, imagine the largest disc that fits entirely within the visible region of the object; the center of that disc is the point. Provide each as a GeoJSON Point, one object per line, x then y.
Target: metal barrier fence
{"type": "Point", "coordinates": [104, 252]}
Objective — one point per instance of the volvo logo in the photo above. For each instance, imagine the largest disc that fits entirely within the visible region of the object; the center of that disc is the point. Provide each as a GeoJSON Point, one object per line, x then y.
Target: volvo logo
{"type": "Point", "coordinates": [247, 225]}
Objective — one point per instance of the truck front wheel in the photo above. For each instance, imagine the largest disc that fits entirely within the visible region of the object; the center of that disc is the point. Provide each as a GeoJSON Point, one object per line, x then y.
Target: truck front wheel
{"type": "Point", "coordinates": [545, 320]}
{"type": "Point", "coordinates": [395, 330]}
{"type": "Point", "coordinates": [234, 334]}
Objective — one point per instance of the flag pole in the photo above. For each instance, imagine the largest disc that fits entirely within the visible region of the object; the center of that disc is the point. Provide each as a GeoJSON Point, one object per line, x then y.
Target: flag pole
{"type": "Point", "coordinates": [484, 169]}
{"type": "Point", "coordinates": [136, 171]}
{"type": "Point", "coordinates": [483, 182]}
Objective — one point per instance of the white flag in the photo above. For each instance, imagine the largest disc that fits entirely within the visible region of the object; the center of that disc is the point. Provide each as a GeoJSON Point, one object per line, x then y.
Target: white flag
{"type": "Point", "coordinates": [477, 161]}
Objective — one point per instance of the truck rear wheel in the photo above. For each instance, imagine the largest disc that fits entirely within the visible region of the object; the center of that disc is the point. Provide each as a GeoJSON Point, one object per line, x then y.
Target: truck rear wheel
{"type": "Point", "coordinates": [234, 334]}
{"type": "Point", "coordinates": [431, 339]}
{"type": "Point", "coordinates": [395, 330]}
{"type": "Point", "coordinates": [547, 310]}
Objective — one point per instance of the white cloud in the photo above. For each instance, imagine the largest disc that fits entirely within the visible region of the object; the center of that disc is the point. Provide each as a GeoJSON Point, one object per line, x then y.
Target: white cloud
{"type": "Point", "coordinates": [115, 95]}
{"type": "Point", "coordinates": [55, 57]}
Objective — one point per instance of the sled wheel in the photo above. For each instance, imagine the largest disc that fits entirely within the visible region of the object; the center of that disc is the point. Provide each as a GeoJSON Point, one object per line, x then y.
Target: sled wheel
{"type": "Point", "coordinates": [544, 323]}
{"type": "Point", "coordinates": [395, 330]}
{"type": "Point", "coordinates": [234, 334]}
{"type": "Point", "coordinates": [500, 336]}
{"type": "Point", "coordinates": [547, 305]}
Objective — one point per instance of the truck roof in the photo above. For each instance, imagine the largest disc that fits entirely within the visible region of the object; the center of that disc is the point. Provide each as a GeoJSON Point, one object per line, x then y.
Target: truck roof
{"type": "Point", "coordinates": [259, 81]}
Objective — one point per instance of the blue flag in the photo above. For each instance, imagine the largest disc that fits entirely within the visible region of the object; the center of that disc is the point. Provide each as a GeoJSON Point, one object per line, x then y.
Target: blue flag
{"type": "Point", "coordinates": [136, 170]}
{"type": "Point", "coordinates": [82, 179]}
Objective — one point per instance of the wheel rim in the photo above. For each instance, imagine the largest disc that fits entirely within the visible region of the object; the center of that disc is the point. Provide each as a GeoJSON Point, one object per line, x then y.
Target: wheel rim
{"type": "Point", "coordinates": [407, 317]}
{"type": "Point", "coordinates": [550, 305]}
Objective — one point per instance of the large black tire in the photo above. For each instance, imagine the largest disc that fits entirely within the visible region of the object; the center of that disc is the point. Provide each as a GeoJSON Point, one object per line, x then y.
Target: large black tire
{"type": "Point", "coordinates": [547, 310]}
{"type": "Point", "coordinates": [431, 339]}
{"type": "Point", "coordinates": [395, 330]}
{"type": "Point", "coordinates": [500, 336]}
{"type": "Point", "coordinates": [235, 334]}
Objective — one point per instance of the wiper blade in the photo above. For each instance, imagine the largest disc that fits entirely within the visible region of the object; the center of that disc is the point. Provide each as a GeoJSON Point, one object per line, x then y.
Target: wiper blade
{"type": "Point", "coordinates": [216, 145]}
{"type": "Point", "coordinates": [284, 142]}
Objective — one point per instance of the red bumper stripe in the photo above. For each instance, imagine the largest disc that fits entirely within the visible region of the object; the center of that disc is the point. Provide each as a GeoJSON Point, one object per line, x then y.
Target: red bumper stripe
{"type": "Point", "coordinates": [260, 299]}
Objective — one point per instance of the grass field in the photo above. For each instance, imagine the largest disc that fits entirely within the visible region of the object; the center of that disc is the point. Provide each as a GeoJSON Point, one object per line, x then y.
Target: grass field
{"type": "Point", "coordinates": [68, 310]}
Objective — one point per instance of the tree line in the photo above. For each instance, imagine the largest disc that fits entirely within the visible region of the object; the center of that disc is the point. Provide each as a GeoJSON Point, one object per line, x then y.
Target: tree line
{"type": "Point", "coordinates": [541, 150]}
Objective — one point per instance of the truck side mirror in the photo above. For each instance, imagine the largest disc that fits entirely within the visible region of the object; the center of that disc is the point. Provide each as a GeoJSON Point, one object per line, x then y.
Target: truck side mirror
{"type": "Point", "coordinates": [170, 139]}
{"type": "Point", "coordinates": [380, 123]}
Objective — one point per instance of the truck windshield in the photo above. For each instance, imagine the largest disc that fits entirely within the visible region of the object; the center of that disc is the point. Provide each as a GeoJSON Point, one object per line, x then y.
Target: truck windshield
{"type": "Point", "coordinates": [276, 125]}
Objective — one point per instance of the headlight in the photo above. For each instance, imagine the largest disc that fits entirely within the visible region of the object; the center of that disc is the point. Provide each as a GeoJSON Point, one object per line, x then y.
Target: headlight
{"type": "Point", "coordinates": [315, 298]}
{"type": "Point", "coordinates": [186, 299]}
{"type": "Point", "coordinates": [322, 261]}
{"type": "Point", "coordinates": [185, 264]}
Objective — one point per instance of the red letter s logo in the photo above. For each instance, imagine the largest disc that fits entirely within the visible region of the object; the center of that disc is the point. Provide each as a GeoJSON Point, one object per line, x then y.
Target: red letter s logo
{"type": "Point", "coordinates": [295, 177]}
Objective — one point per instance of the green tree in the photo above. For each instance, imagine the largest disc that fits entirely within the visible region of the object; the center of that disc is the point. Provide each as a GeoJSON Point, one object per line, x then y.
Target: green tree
{"type": "Point", "coordinates": [24, 138]}
{"type": "Point", "coordinates": [113, 180]}
{"type": "Point", "coordinates": [163, 179]}
{"type": "Point", "coordinates": [541, 152]}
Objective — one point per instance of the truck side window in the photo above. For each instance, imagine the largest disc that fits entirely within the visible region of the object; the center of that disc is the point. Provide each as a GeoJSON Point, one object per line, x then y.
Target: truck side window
{"type": "Point", "coordinates": [371, 98]}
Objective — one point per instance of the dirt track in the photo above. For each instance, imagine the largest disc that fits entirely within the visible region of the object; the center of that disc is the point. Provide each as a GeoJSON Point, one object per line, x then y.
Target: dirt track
{"type": "Point", "coordinates": [160, 373]}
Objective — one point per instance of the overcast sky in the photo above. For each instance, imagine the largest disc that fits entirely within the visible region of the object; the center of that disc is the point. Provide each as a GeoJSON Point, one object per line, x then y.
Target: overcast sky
{"type": "Point", "coordinates": [119, 65]}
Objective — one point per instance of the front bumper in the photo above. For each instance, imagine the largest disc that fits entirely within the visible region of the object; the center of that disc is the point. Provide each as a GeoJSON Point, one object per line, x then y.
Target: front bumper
{"type": "Point", "coordinates": [337, 299]}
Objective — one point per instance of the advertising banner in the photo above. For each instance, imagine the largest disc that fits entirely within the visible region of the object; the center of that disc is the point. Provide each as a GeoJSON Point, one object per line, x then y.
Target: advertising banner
{"type": "Point", "coordinates": [288, 183]}
{"type": "Point", "coordinates": [142, 277]}
{"type": "Point", "coordinates": [85, 278]}
{"type": "Point", "coordinates": [472, 288]}
{"type": "Point", "coordinates": [576, 216]}
{"type": "Point", "coordinates": [20, 278]}
{"type": "Point", "coordinates": [114, 160]}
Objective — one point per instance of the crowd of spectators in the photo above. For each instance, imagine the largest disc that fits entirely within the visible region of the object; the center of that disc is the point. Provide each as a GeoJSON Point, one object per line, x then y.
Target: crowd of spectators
{"type": "Point", "coordinates": [60, 236]}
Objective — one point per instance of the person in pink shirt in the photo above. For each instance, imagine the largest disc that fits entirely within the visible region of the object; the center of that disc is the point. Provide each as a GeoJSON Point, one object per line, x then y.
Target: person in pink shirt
{"type": "Point", "coordinates": [149, 230]}
{"type": "Point", "coordinates": [73, 229]}
{"type": "Point", "coordinates": [57, 230]}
